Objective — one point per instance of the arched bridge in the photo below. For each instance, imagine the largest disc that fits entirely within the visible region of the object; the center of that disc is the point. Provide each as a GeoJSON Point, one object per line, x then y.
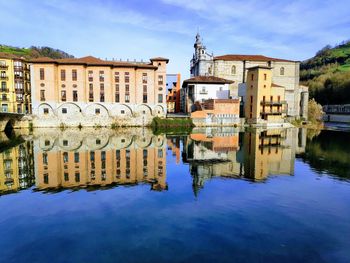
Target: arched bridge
{"type": "Point", "coordinates": [8, 119]}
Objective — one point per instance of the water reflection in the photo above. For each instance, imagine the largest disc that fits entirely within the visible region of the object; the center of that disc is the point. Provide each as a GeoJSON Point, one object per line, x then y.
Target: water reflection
{"type": "Point", "coordinates": [54, 160]}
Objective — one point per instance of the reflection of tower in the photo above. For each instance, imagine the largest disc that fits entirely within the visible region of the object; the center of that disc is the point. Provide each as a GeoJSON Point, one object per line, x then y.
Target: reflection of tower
{"type": "Point", "coordinates": [174, 146]}
{"type": "Point", "coordinates": [267, 153]}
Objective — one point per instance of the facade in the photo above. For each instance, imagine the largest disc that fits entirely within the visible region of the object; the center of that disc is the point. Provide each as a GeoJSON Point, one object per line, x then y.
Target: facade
{"type": "Point", "coordinates": [173, 83]}
{"type": "Point", "coordinates": [235, 67]}
{"type": "Point", "coordinates": [218, 112]}
{"type": "Point", "coordinates": [201, 88]}
{"type": "Point", "coordinates": [265, 100]}
{"type": "Point", "coordinates": [15, 92]}
{"type": "Point", "coordinates": [92, 92]}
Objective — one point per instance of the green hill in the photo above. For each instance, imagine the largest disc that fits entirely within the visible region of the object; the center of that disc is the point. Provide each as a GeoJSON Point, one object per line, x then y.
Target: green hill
{"type": "Point", "coordinates": [34, 52]}
{"type": "Point", "coordinates": [328, 74]}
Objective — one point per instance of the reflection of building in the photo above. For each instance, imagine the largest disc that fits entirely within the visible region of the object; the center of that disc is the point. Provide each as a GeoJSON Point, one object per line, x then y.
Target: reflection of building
{"type": "Point", "coordinates": [173, 92]}
{"type": "Point", "coordinates": [97, 160]}
{"type": "Point", "coordinates": [265, 101]}
{"type": "Point", "coordinates": [251, 155]}
{"type": "Point", "coordinates": [90, 91]}
{"type": "Point", "coordinates": [17, 166]}
{"type": "Point", "coordinates": [174, 145]}
{"type": "Point", "coordinates": [15, 84]}
{"type": "Point", "coordinates": [234, 67]}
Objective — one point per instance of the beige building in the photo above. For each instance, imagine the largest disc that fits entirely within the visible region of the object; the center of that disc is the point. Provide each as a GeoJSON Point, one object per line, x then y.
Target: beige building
{"type": "Point", "coordinates": [265, 101]}
{"type": "Point", "coordinates": [235, 67]}
{"type": "Point", "coordinates": [92, 92]}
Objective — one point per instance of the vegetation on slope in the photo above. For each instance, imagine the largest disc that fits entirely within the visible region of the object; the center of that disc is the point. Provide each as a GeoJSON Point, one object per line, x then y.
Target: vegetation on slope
{"type": "Point", "coordinates": [328, 74]}
{"type": "Point", "coordinates": [35, 52]}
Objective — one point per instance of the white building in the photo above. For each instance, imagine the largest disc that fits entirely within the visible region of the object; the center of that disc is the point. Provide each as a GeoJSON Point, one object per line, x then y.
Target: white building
{"type": "Point", "coordinates": [201, 88]}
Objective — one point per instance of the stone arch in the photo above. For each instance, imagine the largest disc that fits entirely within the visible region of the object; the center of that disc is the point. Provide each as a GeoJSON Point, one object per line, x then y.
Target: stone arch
{"type": "Point", "coordinates": [69, 144]}
{"type": "Point", "coordinates": [90, 110]}
{"type": "Point", "coordinates": [117, 111]}
{"type": "Point", "coordinates": [144, 110]}
{"type": "Point", "coordinates": [143, 141]}
{"type": "Point", "coordinates": [158, 140]}
{"type": "Point", "coordinates": [97, 142]}
{"type": "Point", "coordinates": [42, 112]}
{"type": "Point", "coordinates": [159, 111]}
{"type": "Point", "coordinates": [73, 109]}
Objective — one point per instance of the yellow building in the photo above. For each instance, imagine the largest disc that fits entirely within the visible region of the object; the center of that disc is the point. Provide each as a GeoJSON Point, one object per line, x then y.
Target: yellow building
{"type": "Point", "coordinates": [15, 84]}
{"type": "Point", "coordinates": [265, 101]}
{"type": "Point", "coordinates": [16, 168]}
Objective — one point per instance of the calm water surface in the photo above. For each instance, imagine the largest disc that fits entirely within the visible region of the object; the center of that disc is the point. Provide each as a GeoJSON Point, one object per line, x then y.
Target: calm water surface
{"type": "Point", "coordinates": [216, 195]}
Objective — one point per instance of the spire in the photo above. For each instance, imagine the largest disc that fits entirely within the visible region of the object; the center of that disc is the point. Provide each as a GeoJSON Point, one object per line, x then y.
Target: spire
{"type": "Point", "coordinates": [198, 42]}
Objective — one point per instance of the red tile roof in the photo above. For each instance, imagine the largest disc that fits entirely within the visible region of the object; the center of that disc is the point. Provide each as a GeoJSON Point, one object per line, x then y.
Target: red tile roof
{"type": "Point", "coordinates": [160, 59]}
{"type": "Point", "coordinates": [232, 57]}
{"type": "Point", "coordinates": [91, 61]}
{"type": "Point", "coordinates": [208, 79]}
{"type": "Point", "coordinates": [276, 86]}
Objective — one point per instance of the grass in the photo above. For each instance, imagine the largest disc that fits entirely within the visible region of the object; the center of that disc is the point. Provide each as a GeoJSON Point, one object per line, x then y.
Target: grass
{"type": "Point", "coordinates": [15, 50]}
{"type": "Point", "coordinates": [171, 125]}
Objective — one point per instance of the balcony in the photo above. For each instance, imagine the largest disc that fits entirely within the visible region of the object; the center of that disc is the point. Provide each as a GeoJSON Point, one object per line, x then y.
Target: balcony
{"type": "Point", "coordinates": [273, 112]}
{"type": "Point", "coordinates": [5, 67]}
{"type": "Point", "coordinates": [4, 77]}
{"type": "Point", "coordinates": [4, 99]}
{"type": "Point", "coordinates": [16, 68]}
{"type": "Point", "coordinates": [273, 103]}
{"type": "Point", "coordinates": [4, 90]}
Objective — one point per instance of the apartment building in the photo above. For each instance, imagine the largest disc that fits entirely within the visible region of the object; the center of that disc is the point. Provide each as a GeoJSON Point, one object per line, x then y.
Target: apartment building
{"type": "Point", "coordinates": [92, 92]}
{"type": "Point", "coordinates": [173, 92]}
{"type": "Point", "coordinates": [15, 92]}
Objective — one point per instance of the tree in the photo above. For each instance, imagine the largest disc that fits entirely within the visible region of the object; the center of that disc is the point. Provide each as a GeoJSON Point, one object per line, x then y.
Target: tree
{"type": "Point", "coordinates": [315, 112]}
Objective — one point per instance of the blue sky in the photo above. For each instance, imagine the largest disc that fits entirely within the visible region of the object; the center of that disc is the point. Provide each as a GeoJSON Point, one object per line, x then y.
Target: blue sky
{"type": "Point", "coordinates": [142, 29]}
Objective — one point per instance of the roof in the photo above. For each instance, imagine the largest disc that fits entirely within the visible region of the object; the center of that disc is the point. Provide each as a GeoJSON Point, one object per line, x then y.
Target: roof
{"type": "Point", "coordinates": [259, 67]}
{"type": "Point", "coordinates": [208, 79]}
{"type": "Point", "coordinates": [276, 86]}
{"type": "Point", "coordinates": [232, 57]}
{"type": "Point", "coordinates": [160, 59]}
{"type": "Point", "coordinates": [91, 61]}
{"type": "Point", "coordinates": [9, 56]}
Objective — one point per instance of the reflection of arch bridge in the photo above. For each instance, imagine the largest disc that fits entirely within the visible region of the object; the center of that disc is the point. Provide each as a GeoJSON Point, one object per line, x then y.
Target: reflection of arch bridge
{"type": "Point", "coordinates": [8, 119]}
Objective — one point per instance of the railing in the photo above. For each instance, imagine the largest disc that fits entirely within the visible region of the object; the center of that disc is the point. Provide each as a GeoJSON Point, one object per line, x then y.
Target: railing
{"type": "Point", "coordinates": [3, 77]}
{"type": "Point", "coordinates": [4, 99]}
{"type": "Point", "coordinates": [16, 68]}
{"type": "Point", "coordinates": [4, 90]}
{"type": "Point", "coordinates": [4, 66]}
{"type": "Point", "coordinates": [272, 103]}
{"type": "Point", "coordinates": [273, 112]}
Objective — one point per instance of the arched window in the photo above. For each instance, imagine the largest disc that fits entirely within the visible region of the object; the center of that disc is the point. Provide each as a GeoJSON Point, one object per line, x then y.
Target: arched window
{"type": "Point", "coordinates": [209, 70]}
{"type": "Point", "coordinates": [282, 71]}
{"type": "Point", "coordinates": [233, 70]}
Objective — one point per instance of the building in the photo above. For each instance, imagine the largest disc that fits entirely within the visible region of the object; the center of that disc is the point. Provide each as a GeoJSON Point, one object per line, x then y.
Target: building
{"type": "Point", "coordinates": [201, 88]}
{"type": "Point", "coordinates": [173, 85]}
{"type": "Point", "coordinates": [216, 112]}
{"type": "Point", "coordinates": [15, 84]}
{"type": "Point", "coordinates": [92, 92]}
{"type": "Point", "coordinates": [235, 67]}
{"type": "Point", "coordinates": [265, 103]}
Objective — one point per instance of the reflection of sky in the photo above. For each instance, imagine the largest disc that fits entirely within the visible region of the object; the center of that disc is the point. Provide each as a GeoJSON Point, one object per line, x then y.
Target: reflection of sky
{"type": "Point", "coordinates": [143, 29]}
{"type": "Point", "coordinates": [289, 219]}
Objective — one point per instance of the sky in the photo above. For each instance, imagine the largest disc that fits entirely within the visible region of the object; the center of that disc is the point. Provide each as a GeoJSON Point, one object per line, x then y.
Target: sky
{"type": "Point", "coordinates": [134, 29]}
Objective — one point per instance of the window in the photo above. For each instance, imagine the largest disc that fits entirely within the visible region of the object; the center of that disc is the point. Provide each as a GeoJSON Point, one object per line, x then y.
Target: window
{"type": "Point", "coordinates": [126, 77]}
{"type": "Point", "coordinates": [77, 177]}
{"type": "Point", "coordinates": [46, 111]}
{"type": "Point", "coordinates": [63, 74]}
{"type": "Point", "coordinates": [97, 111]}
{"type": "Point", "coordinates": [282, 71]}
{"type": "Point", "coordinates": [3, 86]}
{"type": "Point", "coordinates": [92, 156]}
{"type": "Point", "coordinates": [90, 75]}
{"type": "Point", "coordinates": [76, 157]}
{"type": "Point", "coordinates": [66, 177]}
{"type": "Point", "coordinates": [65, 156]}
{"type": "Point", "coordinates": [252, 77]}
{"type": "Point", "coordinates": [233, 70]}
{"type": "Point", "coordinates": [265, 76]}
{"type": "Point", "coordinates": [160, 80]}
{"type": "Point", "coordinates": [102, 76]}
{"type": "Point", "coordinates": [75, 95]}
{"type": "Point", "coordinates": [279, 98]}
{"type": "Point", "coordinates": [160, 153]}
{"type": "Point", "coordinates": [91, 92]}
{"type": "Point", "coordinates": [74, 75]}
{"type": "Point", "coordinates": [42, 74]}
{"type": "Point", "coordinates": [63, 95]}
{"type": "Point", "coordinates": [42, 95]}
{"type": "Point", "coordinates": [45, 160]}
{"type": "Point", "coordinates": [160, 98]}
{"type": "Point", "coordinates": [122, 111]}
{"type": "Point", "coordinates": [46, 178]}
{"type": "Point", "coordinates": [127, 98]}
{"type": "Point", "coordinates": [47, 143]}
{"type": "Point", "coordinates": [65, 143]}
{"type": "Point", "coordinates": [117, 97]}
{"type": "Point", "coordinates": [64, 110]}
{"type": "Point", "coordinates": [98, 141]}
{"type": "Point", "coordinates": [102, 92]}
{"type": "Point", "coordinates": [144, 98]}
{"type": "Point", "coordinates": [144, 78]}
{"type": "Point", "coordinates": [116, 77]}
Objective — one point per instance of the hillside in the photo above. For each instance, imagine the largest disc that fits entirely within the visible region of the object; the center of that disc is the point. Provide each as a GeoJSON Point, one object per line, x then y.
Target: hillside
{"type": "Point", "coordinates": [34, 52]}
{"type": "Point", "coordinates": [328, 74]}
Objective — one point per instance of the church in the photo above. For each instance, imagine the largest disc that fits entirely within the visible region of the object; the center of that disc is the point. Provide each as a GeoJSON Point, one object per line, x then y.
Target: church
{"type": "Point", "coordinates": [285, 73]}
